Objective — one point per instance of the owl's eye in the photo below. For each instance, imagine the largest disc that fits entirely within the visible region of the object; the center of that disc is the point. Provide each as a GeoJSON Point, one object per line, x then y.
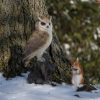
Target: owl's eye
{"type": "Point", "coordinates": [42, 23]}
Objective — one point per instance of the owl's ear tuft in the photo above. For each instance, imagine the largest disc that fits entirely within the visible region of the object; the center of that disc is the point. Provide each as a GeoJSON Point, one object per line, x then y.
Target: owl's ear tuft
{"type": "Point", "coordinates": [39, 18]}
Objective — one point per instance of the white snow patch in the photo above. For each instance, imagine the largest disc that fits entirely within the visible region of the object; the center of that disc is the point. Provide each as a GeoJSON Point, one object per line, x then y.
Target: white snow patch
{"type": "Point", "coordinates": [67, 47]}
{"type": "Point", "coordinates": [71, 1]}
{"type": "Point", "coordinates": [84, 0]}
{"type": "Point", "coordinates": [93, 46]}
{"type": "Point", "coordinates": [98, 30]}
{"type": "Point", "coordinates": [95, 36]}
{"type": "Point", "coordinates": [18, 89]}
{"type": "Point", "coordinates": [79, 49]}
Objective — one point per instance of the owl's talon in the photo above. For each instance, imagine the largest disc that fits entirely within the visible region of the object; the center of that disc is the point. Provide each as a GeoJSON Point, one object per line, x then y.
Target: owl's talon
{"type": "Point", "coordinates": [41, 59]}
{"type": "Point", "coordinates": [26, 63]}
{"type": "Point", "coordinates": [45, 52]}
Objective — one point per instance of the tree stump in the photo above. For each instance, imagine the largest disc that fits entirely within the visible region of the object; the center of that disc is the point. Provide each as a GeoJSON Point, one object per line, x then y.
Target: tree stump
{"type": "Point", "coordinates": [17, 19]}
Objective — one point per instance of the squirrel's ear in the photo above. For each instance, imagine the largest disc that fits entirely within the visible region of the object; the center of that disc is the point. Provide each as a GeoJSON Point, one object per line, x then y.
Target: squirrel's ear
{"type": "Point", "coordinates": [77, 59]}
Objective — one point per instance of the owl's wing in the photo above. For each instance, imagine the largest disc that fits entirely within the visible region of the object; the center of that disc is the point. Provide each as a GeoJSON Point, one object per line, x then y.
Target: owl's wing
{"type": "Point", "coordinates": [36, 41]}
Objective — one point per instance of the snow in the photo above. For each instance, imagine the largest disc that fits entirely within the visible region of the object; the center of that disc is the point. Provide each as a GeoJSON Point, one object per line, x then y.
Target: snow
{"type": "Point", "coordinates": [98, 31]}
{"type": "Point", "coordinates": [71, 1]}
{"type": "Point", "coordinates": [95, 36]}
{"type": "Point", "coordinates": [85, 0]}
{"type": "Point", "coordinates": [67, 47]}
{"type": "Point", "coordinates": [18, 89]}
{"type": "Point", "coordinates": [94, 46]}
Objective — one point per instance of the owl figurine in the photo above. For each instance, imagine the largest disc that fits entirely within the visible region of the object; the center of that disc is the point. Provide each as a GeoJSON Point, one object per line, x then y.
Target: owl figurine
{"type": "Point", "coordinates": [39, 41]}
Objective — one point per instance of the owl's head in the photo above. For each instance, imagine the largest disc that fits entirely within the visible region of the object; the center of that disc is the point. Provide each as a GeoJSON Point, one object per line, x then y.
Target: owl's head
{"type": "Point", "coordinates": [44, 24]}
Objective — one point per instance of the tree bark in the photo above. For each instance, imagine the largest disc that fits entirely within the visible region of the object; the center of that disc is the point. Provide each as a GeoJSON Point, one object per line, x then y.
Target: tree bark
{"type": "Point", "coordinates": [17, 19]}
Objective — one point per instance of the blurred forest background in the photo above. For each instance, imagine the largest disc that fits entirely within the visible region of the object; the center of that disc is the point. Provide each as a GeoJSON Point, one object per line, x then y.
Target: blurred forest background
{"type": "Point", "coordinates": [77, 24]}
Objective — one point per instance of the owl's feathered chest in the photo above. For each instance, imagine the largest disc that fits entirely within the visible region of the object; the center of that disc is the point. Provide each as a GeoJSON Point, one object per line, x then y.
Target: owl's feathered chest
{"type": "Point", "coordinates": [38, 40]}
{"type": "Point", "coordinates": [43, 36]}
{"type": "Point", "coordinates": [47, 38]}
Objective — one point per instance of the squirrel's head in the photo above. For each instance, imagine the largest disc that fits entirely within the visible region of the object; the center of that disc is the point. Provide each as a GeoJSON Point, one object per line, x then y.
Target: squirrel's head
{"type": "Point", "coordinates": [76, 67]}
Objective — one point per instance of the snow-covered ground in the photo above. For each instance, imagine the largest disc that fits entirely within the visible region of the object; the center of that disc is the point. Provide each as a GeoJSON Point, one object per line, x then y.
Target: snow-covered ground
{"type": "Point", "coordinates": [18, 89]}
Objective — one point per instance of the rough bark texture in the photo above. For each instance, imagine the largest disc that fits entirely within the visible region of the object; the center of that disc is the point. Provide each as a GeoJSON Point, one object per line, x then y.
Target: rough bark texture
{"type": "Point", "coordinates": [17, 19]}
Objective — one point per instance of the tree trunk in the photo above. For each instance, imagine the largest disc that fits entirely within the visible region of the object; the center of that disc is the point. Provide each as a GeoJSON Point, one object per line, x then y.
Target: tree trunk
{"type": "Point", "coordinates": [17, 19]}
